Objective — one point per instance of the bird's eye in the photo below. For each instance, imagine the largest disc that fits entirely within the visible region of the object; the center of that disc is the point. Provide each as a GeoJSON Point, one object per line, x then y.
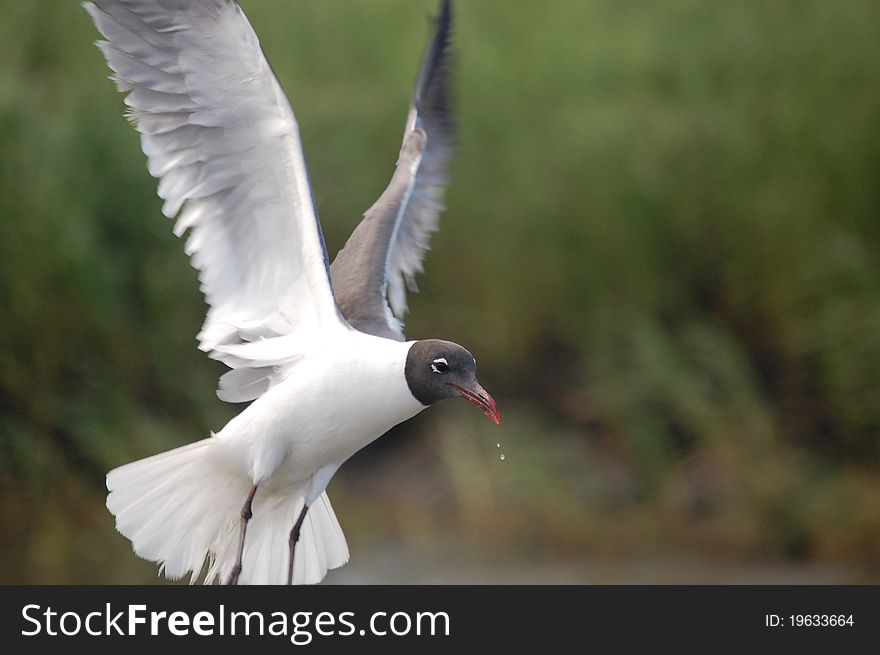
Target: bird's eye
{"type": "Point", "coordinates": [439, 365]}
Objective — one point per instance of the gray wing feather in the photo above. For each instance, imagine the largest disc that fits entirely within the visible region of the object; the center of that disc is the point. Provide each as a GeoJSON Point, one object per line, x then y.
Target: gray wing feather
{"type": "Point", "coordinates": [385, 252]}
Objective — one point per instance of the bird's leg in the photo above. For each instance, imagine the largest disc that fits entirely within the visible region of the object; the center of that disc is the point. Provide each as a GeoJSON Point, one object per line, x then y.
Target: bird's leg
{"type": "Point", "coordinates": [294, 537]}
{"type": "Point", "coordinates": [246, 515]}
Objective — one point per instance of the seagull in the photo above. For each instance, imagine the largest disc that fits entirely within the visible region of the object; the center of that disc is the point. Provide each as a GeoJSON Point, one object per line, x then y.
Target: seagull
{"type": "Point", "coordinates": [317, 350]}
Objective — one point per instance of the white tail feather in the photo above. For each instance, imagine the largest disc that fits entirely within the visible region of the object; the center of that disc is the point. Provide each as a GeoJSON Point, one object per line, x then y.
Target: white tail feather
{"type": "Point", "coordinates": [182, 509]}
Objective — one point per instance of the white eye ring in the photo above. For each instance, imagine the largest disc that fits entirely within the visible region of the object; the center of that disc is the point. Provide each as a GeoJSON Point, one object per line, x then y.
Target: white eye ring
{"type": "Point", "coordinates": [440, 360]}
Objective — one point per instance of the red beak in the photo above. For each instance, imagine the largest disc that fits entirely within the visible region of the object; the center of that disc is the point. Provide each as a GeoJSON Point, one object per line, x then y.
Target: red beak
{"type": "Point", "coordinates": [481, 399]}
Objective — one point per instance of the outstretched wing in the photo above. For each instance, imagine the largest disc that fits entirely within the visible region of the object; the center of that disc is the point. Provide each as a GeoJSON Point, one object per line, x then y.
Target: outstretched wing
{"type": "Point", "coordinates": [220, 135]}
{"type": "Point", "coordinates": [385, 252]}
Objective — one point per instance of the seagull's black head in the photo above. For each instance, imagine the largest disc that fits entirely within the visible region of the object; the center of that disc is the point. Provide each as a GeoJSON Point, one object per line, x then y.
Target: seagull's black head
{"type": "Point", "coordinates": [436, 370]}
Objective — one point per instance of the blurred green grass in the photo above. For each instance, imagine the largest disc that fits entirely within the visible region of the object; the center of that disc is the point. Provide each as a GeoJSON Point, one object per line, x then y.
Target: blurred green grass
{"type": "Point", "coordinates": [662, 243]}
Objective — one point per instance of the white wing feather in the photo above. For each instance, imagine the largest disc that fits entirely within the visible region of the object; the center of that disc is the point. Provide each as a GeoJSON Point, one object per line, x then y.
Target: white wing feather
{"type": "Point", "coordinates": [220, 135]}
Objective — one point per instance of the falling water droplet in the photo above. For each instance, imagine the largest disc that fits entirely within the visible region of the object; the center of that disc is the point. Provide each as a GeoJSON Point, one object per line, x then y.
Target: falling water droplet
{"type": "Point", "coordinates": [502, 457]}
{"type": "Point", "coordinates": [498, 445]}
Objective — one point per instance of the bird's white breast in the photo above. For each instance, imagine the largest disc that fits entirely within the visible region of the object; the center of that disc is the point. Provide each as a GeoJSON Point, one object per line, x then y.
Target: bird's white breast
{"type": "Point", "coordinates": [345, 391]}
